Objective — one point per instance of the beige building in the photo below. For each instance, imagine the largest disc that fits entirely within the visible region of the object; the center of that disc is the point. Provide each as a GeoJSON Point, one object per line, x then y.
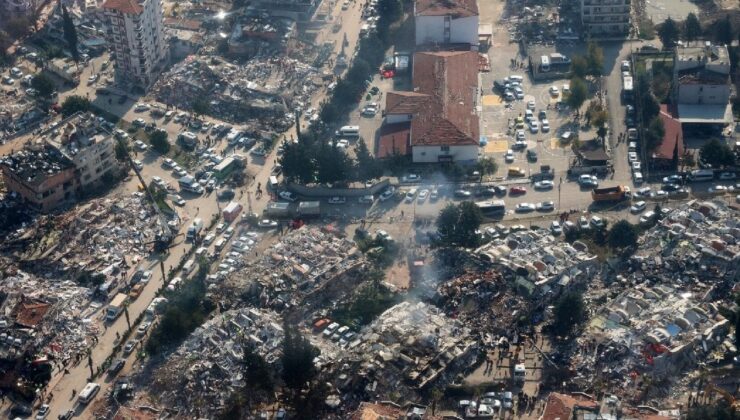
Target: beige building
{"type": "Point", "coordinates": [701, 82]}
{"type": "Point", "coordinates": [606, 17]}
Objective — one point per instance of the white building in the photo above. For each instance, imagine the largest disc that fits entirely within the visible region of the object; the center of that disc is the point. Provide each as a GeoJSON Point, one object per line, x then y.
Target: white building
{"type": "Point", "coordinates": [702, 86]}
{"type": "Point", "coordinates": [437, 121]}
{"type": "Point", "coordinates": [606, 17]}
{"type": "Point", "coordinates": [137, 40]}
{"type": "Point", "coordinates": [446, 22]}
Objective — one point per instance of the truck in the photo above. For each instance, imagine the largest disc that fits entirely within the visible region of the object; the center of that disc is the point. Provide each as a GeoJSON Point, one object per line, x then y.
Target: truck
{"type": "Point", "coordinates": [115, 307]}
{"type": "Point", "coordinates": [309, 209]}
{"type": "Point", "coordinates": [232, 211]}
{"type": "Point", "coordinates": [617, 193]}
{"type": "Point", "coordinates": [195, 229]}
{"type": "Point", "coordinates": [627, 87]}
{"type": "Point", "coordinates": [188, 183]}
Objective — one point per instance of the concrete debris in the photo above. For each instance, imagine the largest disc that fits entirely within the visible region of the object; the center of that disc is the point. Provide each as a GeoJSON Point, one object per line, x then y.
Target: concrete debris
{"type": "Point", "coordinates": [207, 368]}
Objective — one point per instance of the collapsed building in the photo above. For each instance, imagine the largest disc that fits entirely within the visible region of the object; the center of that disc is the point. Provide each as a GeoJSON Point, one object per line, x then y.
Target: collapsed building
{"type": "Point", "coordinates": [208, 367]}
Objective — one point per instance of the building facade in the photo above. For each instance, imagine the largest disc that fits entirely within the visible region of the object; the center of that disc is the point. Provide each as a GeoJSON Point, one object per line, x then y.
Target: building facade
{"type": "Point", "coordinates": [137, 40]}
{"type": "Point", "coordinates": [446, 22]}
{"type": "Point", "coordinates": [701, 83]}
{"type": "Point", "coordinates": [606, 17]}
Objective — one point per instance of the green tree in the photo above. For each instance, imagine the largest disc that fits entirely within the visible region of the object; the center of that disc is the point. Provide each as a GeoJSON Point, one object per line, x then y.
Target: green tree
{"type": "Point", "coordinates": [359, 72]}
{"type": "Point", "coordinates": [668, 33]}
{"type": "Point", "coordinates": [717, 153]}
{"type": "Point", "coordinates": [622, 234]}
{"type": "Point", "coordinates": [570, 311]}
{"type": "Point", "coordinates": [332, 164]}
{"type": "Point", "coordinates": [201, 106]}
{"type": "Point", "coordinates": [75, 103]}
{"type": "Point", "coordinates": [367, 166]}
{"type": "Point", "coordinates": [70, 34]}
{"type": "Point", "coordinates": [579, 67]}
{"type": "Point", "coordinates": [724, 32]}
{"type": "Point", "coordinates": [654, 134]}
{"type": "Point", "coordinates": [297, 359]}
{"type": "Point", "coordinates": [457, 224]}
{"type": "Point", "coordinates": [122, 151]}
{"type": "Point", "coordinates": [257, 372]}
{"type": "Point", "coordinates": [159, 141]}
{"type": "Point", "coordinates": [692, 28]}
{"type": "Point", "coordinates": [298, 162]}
{"type": "Point", "coordinates": [18, 27]}
{"type": "Point", "coordinates": [486, 166]}
{"type": "Point", "coordinates": [389, 11]}
{"type": "Point", "coordinates": [43, 85]}
{"type": "Point", "coordinates": [578, 93]}
{"type": "Point", "coordinates": [595, 60]}
{"type": "Point", "coordinates": [329, 112]}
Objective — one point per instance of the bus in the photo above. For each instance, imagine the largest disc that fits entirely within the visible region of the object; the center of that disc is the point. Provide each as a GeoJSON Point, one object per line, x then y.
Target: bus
{"type": "Point", "coordinates": [495, 208]}
{"type": "Point", "coordinates": [88, 392]}
{"type": "Point", "coordinates": [701, 175]}
{"type": "Point", "coordinates": [545, 66]}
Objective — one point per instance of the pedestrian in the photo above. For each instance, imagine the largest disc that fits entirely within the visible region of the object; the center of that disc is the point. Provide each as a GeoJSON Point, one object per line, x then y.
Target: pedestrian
{"type": "Point", "coordinates": [402, 214]}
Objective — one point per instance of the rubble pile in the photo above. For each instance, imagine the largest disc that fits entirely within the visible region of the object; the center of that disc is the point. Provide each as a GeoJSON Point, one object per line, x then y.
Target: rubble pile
{"type": "Point", "coordinates": [258, 92]}
{"type": "Point", "coordinates": [302, 264]}
{"type": "Point", "coordinates": [663, 320]}
{"type": "Point", "coordinates": [104, 236]}
{"type": "Point", "coordinates": [410, 346]}
{"type": "Point", "coordinates": [40, 316]}
{"type": "Point", "coordinates": [207, 368]}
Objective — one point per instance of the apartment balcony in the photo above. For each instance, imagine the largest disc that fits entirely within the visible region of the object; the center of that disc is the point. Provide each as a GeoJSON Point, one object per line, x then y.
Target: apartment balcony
{"type": "Point", "coordinates": [606, 2]}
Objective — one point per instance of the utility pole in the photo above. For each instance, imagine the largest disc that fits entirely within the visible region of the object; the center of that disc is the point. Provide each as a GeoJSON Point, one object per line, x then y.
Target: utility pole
{"type": "Point", "coordinates": [90, 363]}
{"type": "Point", "coordinates": [128, 320]}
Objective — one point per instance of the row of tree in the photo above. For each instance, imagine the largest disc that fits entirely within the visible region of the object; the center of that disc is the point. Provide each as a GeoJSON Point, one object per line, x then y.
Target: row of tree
{"type": "Point", "coordinates": [670, 32]}
{"type": "Point", "coordinates": [583, 67]}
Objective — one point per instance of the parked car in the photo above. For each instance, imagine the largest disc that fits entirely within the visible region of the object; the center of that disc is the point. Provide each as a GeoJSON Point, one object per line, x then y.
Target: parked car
{"type": "Point", "coordinates": [517, 190]}
{"type": "Point", "coordinates": [337, 200]}
{"type": "Point", "coordinates": [462, 193]}
{"type": "Point", "coordinates": [546, 206]}
{"type": "Point", "coordinates": [288, 196]}
{"type": "Point", "coordinates": [556, 228]}
{"type": "Point", "coordinates": [524, 207]}
{"type": "Point", "coordinates": [267, 223]}
{"type": "Point", "coordinates": [544, 185]}
{"type": "Point", "coordinates": [638, 207]}
{"type": "Point", "coordinates": [116, 366]}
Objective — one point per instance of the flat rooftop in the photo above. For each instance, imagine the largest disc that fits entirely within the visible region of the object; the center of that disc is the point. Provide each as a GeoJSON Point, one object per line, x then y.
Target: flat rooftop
{"type": "Point", "coordinates": [35, 165]}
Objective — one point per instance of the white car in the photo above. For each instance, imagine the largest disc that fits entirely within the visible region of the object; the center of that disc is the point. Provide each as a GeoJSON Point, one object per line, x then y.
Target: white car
{"type": "Point", "coordinates": [636, 166]}
{"type": "Point", "coordinates": [555, 228]}
{"type": "Point", "coordinates": [138, 164]}
{"type": "Point", "coordinates": [370, 109]}
{"type": "Point", "coordinates": [520, 135]}
{"type": "Point", "coordinates": [519, 92]}
{"type": "Point", "coordinates": [141, 107]}
{"type": "Point", "coordinates": [337, 200]}
{"type": "Point", "coordinates": [178, 200]}
{"type": "Point", "coordinates": [546, 206]}
{"type": "Point", "coordinates": [632, 157]}
{"type": "Point", "coordinates": [583, 223]}
{"type": "Point", "coordinates": [597, 222]}
{"type": "Point", "coordinates": [525, 207]}
{"type": "Point", "coordinates": [168, 163]}
{"type": "Point", "coordinates": [93, 78]}
{"type": "Point", "coordinates": [267, 223]}
{"type": "Point", "coordinates": [554, 91]}
{"type": "Point", "coordinates": [638, 207]}
{"type": "Point", "coordinates": [534, 126]}
{"type": "Point", "coordinates": [566, 88]}
{"type": "Point", "coordinates": [545, 126]}
{"type": "Point", "coordinates": [544, 185]}
{"type": "Point", "coordinates": [647, 217]}
{"type": "Point", "coordinates": [509, 157]}
{"type": "Point", "coordinates": [625, 65]}
{"type": "Point", "coordinates": [387, 194]}
{"type": "Point", "coordinates": [16, 72]}
{"type": "Point", "coordinates": [287, 196]}
{"type": "Point", "coordinates": [209, 238]}
{"type": "Point", "coordinates": [423, 194]}
{"type": "Point", "coordinates": [140, 145]}
{"type": "Point", "coordinates": [718, 189]}
{"type": "Point", "coordinates": [530, 105]}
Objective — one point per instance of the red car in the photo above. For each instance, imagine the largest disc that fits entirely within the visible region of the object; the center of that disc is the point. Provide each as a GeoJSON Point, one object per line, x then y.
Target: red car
{"type": "Point", "coordinates": [518, 190]}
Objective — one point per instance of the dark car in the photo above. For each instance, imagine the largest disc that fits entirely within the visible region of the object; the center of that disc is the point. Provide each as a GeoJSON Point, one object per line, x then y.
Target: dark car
{"type": "Point", "coordinates": [20, 410]}
{"type": "Point", "coordinates": [485, 192]}
{"type": "Point", "coordinates": [224, 195]}
{"type": "Point", "coordinates": [116, 366]}
{"type": "Point", "coordinates": [499, 85]}
{"type": "Point", "coordinates": [532, 155]}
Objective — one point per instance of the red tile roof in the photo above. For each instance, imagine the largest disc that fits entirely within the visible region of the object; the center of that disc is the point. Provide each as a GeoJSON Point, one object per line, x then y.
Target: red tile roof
{"type": "Point", "coordinates": [454, 8]}
{"type": "Point", "coordinates": [124, 6]}
{"type": "Point", "coordinates": [560, 406]}
{"type": "Point", "coordinates": [443, 99]}
{"type": "Point", "coordinates": [394, 138]}
{"type": "Point", "coordinates": [673, 137]}
{"type": "Point", "coordinates": [28, 313]}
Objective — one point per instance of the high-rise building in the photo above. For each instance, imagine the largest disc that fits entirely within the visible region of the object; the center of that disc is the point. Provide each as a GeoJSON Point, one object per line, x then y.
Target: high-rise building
{"type": "Point", "coordinates": [136, 36]}
{"type": "Point", "coordinates": [606, 17]}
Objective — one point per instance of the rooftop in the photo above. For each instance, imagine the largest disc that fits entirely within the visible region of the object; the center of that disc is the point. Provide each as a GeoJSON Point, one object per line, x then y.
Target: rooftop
{"type": "Point", "coordinates": [560, 406]}
{"type": "Point", "coordinates": [124, 6]}
{"type": "Point", "coordinates": [34, 165]}
{"type": "Point", "coordinates": [672, 143]}
{"type": "Point", "coordinates": [394, 139]}
{"type": "Point", "coordinates": [707, 53]}
{"type": "Point", "coordinates": [443, 99]}
{"type": "Point", "coordinates": [454, 8]}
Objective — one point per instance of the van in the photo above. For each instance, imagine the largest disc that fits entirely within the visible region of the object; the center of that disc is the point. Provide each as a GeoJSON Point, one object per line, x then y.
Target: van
{"type": "Point", "coordinates": [410, 195]}
{"type": "Point", "coordinates": [516, 172]}
{"type": "Point", "coordinates": [349, 131]}
{"type": "Point", "coordinates": [219, 245]}
{"type": "Point", "coordinates": [701, 175]}
{"type": "Point", "coordinates": [189, 266]}
{"type": "Point", "coordinates": [273, 183]}
{"type": "Point", "coordinates": [545, 63]}
{"type": "Point", "coordinates": [638, 179]}
{"type": "Point", "coordinates": [88, 392]}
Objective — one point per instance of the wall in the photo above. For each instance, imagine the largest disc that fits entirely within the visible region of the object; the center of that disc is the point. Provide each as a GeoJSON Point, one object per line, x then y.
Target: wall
{"type": "Point", "coordinates": [397, 118]}
{"type": "Point", "coordinates": [34, 194]}
{"type": "Point", "coordinates": [430, 154]}
{"type": "Point", "coordinates": [704, 94]}
{"type": "Point", "coordinates": [430, 29]}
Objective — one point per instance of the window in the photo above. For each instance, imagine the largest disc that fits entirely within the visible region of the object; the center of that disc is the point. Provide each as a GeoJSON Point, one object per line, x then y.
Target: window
{"type": "Point", "coordinates": [445, 149]}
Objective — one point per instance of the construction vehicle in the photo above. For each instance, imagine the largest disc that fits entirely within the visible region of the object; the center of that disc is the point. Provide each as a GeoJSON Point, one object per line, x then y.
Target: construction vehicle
{"type": "Point", "coordinates": [710, 389]}
{"type": "Point", "coordinates": [617, 193]}
{"type": "Point", "coordinates": [164, 237]}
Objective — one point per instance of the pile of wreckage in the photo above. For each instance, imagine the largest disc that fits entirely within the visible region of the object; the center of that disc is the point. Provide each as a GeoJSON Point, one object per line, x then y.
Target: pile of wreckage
{"type": "Point", "coordinates": [46, 317]}
{"type": "Point", "coordinates": [408, 347]}
{"type": "Point", "coordinates": [259, 92]}
{"type": "Point", "coordinates": [207, 368]}
{"type": "Point", "coordinates": [104, 236]}
{"type": "Point", "coordinates": [301, 266]}
{"type": "Point", "coordinates": [665, 317]}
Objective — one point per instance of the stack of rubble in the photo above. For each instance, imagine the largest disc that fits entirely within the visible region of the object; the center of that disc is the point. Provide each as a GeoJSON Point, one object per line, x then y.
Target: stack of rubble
{"type": "Point", "coordinates": [207, 368]}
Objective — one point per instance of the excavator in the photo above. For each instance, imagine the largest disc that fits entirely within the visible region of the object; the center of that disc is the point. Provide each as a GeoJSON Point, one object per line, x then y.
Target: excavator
{"type": "Point", "coordinates": [710, 389]}
{"type": "Point", "coordinates": [164, 237]}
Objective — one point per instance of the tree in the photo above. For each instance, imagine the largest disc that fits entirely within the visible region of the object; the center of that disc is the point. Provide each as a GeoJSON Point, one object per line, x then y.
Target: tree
{"type": "Point", "coordinates": [367, 166]}
{"type": "Point", "coordinates": [43, 85]}
{"type": "Point", "coordinates": [121, 151]}
{"type": "Point", "coordinates": [329, 112]}
{"type": "Point", "coordinates": [486, 166]}
{"type": "Point", "coordinates": [201, 106]}
{"type": "Point", "coordinates": [70, 34]}
{"type": "Point", "coordinates": [687, 160]}
{"type": "Point", "coordinates": [332, 164]}
{"type": "Point", "coordinates": [75, 103]}
{"type": "Point", "coordinates": [389, 12]}
{"type": "Point", "coordinates": [717, 153]}
{"type": "Point", "coordinates": [668, 33]}
{"type": "Point", "coordinates": [457, 224]}
{"type": "Point", "coordinates": [18, 27]}
{"type": "Point", "coordinates": [359, 72]}
{"type": "Point", "coordinates": [159, 141]}
{"type": "Point", "coordinates": [257, 372]}
{"type": "Point", "coordinates": [297, 359]}
{"type": "Point", "coordinates": [579, 67]}
{"type": "Point", "coordinates": [297, 162]}
{"type": "Point", "coordinates": [578, 93]}
{"type": "Point", "coordinates": [654, 134]}
{"type": "Point", "coordinates": [595, 60]}
{"type": "Point", "coordinates": [622, 235]}
{"type": "Point", "coordinates": [570, 310]}
{"type": "Point", "coordinates": [692, 28]}
{"type": "Point", "coordinates": [723, 32]}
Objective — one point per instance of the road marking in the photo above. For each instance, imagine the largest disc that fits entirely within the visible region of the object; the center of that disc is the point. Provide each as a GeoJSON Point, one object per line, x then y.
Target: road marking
{"type": "Point", "coordinates": [492, 100]}
{"type": "Point", "coordinates": [496, 146]}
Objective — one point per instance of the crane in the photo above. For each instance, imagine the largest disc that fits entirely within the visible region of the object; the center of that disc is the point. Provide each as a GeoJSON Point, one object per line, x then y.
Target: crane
{"type": "Point", "coordinates": [165, 237]}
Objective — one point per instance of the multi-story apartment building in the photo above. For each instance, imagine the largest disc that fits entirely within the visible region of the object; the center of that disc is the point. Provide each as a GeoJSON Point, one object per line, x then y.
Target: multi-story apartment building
{"type": "Point", "coordinates": [701, 83]}
{"type": "Point", "coordinates": [64, 163]}
{"type": "Point", "coordinates": [137, 40]}
{"type": "Point", "coordinates": [606, 17]}
{"type": "Point", "coordinates": [446, 22]}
